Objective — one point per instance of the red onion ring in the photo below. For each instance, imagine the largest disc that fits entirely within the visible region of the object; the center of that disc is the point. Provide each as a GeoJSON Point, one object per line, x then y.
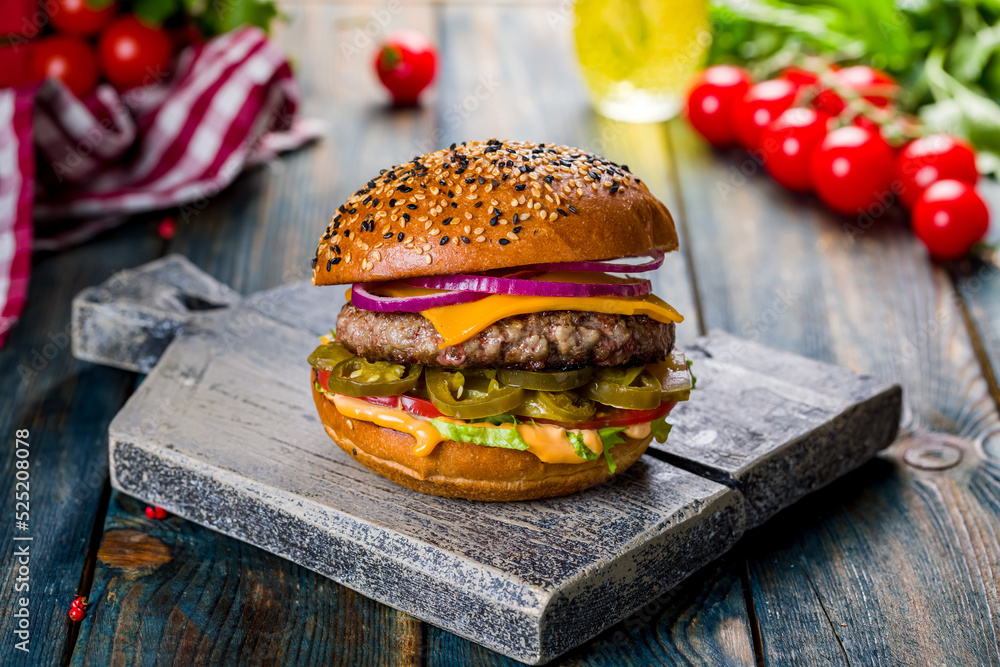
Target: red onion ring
{"type": "Point", "coordinates": [520, 287]}
{"type": "Point", "coordinates": [602, 267]}
{"type": "Point", "coordinates": [365, 300]}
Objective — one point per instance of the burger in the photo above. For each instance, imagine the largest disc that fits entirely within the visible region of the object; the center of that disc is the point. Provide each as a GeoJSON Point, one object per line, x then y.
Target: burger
{"type": "Point", "coordinates": [499, 341]}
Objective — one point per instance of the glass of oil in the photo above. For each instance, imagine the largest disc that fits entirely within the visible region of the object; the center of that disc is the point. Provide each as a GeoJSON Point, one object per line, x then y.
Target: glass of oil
{"type": "Point", "coordinates": [637, 56]}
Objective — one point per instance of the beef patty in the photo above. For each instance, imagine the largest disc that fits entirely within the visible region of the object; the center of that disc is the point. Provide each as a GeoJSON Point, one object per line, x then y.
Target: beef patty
{"type": "Point", "coordinates": [559, 339]}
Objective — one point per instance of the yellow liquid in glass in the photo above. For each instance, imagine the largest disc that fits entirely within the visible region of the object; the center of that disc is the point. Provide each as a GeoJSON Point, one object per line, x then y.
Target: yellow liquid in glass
{"type": "Point", "coordinates": [637, 56]}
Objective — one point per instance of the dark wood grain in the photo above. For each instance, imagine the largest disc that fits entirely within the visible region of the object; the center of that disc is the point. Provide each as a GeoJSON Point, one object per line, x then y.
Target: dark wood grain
{"type": "Point", "coordinates": [66, 406]}
{"type": "Point", "coordinates": [703, 622]}
{"type": "Point", "coordinates": [172, 592]}
{"type": "Point", "coordinates": [894, 564]}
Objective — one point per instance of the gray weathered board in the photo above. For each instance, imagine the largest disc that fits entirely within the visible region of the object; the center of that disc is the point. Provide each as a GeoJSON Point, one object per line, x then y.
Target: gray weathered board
{"type": "Point", "coordinates": [224, 432]}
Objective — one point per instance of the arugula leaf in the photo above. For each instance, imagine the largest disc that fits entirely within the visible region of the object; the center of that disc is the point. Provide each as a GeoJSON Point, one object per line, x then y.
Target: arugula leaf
{"type": "Point", "coordinates": [503, 418]}
{"type": "Point", "coordinates": [507, 438]}
{"type": "Point", "coordinates": [611, 436]}
{"type": "Point", "coordinates": [694, 380]}
{"type": "Point", "coordinates": [155, 12]}
{"type": "Point", "coordinates": [580, 447]}
{"type": "Point", "coordinates": [661, 429]}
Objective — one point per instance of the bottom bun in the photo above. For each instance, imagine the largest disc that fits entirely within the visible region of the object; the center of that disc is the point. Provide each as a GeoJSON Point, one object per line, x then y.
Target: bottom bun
{"type": "Point", "coordinates": [465, 470]}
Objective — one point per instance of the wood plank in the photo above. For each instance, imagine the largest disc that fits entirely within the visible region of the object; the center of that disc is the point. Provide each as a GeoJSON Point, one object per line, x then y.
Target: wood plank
{"type": "Point", "coordinates": [896, 557]}
{"type": "Point", "coordinates": [702, 622]}
{"type": "Point", "coordinates": [262, 232]}
{"type": "Point", "coordinates": [66, 406]}
{"type": "Point", "coordinates": [172, 592]}
{"type": "Point", "coordinates": [979, 291]}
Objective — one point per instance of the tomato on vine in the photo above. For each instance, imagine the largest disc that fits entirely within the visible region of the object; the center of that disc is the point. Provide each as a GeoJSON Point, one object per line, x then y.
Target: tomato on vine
{"type": "Point", "coordinates": [851, 169]}
{"type": "Point", "coordinates": [711, 99]}
{"type": "Point", "coordinates": [950, 217]}
{"type": "Point", "coordinates": [788, 144]}
{"type": "Point", "coordinates": [873, 85]}
{"type": "Point", "coordinates": [931, 159]}
{"type": "Point", "coordinates": [79, 17]}
{"type": "Point", "coordinates": [761, 104]}
{"type": "Point", "coordinates": [134, 53]}
{"type": "Point", "coordinates": [69, 59]}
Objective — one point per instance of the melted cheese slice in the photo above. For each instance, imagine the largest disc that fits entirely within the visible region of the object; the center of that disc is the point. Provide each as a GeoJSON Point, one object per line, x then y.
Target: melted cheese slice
{"type": "Point", "coordinates": [461, 322]}
{"type": "Point", "coordinates": [549, 443]}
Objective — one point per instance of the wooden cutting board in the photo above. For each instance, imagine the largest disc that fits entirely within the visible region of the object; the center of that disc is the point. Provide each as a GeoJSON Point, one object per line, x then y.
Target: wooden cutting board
{"type": "Point", "coordinates": [223, 432]}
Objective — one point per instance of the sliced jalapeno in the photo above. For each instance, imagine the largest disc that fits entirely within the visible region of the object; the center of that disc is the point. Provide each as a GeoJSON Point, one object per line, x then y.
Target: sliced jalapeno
{"type": "Point", "coordinates": [563, 406]}
{"type": "Point", "coordinates": [359, 377]}
{"type": "Point", "coordinates": [546, 380]}
{"type": "Point", "coordinates": [470, 394]}
{"type": "Point", "coordinates": [674, 376]}
{"type": "Point", "coordinates": [326, 356]}
{"type": "Point", "coordinates": [624, 388]}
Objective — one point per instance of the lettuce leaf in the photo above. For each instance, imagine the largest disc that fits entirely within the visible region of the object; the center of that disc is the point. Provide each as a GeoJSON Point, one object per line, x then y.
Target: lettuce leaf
{"type": "Point", "coordinates": [508, 438]}
{"type": "Point", "coordinates": [581, 449]}
{"type": "Point", "coordinates": [611, 436]}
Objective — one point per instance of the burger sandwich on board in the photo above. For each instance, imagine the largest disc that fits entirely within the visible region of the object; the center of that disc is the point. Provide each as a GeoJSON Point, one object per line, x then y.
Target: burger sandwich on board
{"type": "Point", "coordinates": [494, 345]}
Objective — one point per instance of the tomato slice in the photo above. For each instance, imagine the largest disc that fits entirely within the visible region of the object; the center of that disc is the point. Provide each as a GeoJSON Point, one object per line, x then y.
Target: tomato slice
{"type": "Point", "coordinates": [424, 408]}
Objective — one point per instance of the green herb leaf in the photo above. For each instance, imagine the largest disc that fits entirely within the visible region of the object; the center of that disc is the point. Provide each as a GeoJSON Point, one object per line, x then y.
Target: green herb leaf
{"type": "Point", "coordinates": [611, 436]}
{"type": "Point", "coordinates": [694, 380]}
{"type": "Point", "coordinates": [580, 447]}
{"type": "Point", "coordinates": [155, 12]}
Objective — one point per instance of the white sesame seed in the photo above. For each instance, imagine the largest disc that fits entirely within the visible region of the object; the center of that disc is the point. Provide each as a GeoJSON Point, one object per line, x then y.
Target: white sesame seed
{"type": "Point", "coordinates": [434, 232]}
{"type": "Point", "coordinates": [525, 216]}
{"type": "Point", "coordinates": [427, 259]}
{"type": "Point", "coordinates": [477, 230]}
{"type": "Point", "coordinates": [480, 239]}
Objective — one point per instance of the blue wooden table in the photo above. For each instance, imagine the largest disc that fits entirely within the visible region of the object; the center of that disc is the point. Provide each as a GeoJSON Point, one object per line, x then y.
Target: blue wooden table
{"type": "Point", "coordinates": [898, 563]}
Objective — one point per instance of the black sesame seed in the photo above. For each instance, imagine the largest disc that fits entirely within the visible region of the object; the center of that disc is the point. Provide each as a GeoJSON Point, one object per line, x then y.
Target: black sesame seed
{"type": "Point", "coordinates": [452, 147]}
{"type": "Point", "coordinates": [460, 171]}
{"type": "Point", "coordinates": [342, 209]}
{"type": "Point", "coordinates": [505, 177]}
{"type": "Point", "coordinates": [329, 263]}
{"type": "Point", "coordinates": [625, 167]}
{"type": "Point", "coordinates": [561, 212]}
{"type": "Point", "coordinates": [336, 249]}
{"type": "Point", "coordinates": [613, 189]}
{"type": "Point", "coordinates": [470, 180]}
{"type": "Point", "coordinates": [504, 241]}
{"type": "Point", "coordinates": [594, 175]}
{"type": "Point", "coordinates": [572, 209]}
{"type": "Point", "coordinates": [412, 207]}
{"type": "Point", "coordinates": [549, 178]}
{"type": "Point", "coordinates": [446, 221]}
{"type": "Point", "coordinates": [566, 163]}
{"type": "Point", "coordinates": [313, 262]}
{"type": "Point", "coordinates": [477, 204]}
{"type": "Point", "coordinates": [347, 232]}
{"type": "Point", "coordinates": [520, 186]}
{"type": "Point", "coordinates": [517, 230]}
{"type": "Point", "coordinates": [465, 239]}
{"type": "Point", "coordinates": [444, 239]}
{"type": "Point", "coordinates": [371, 184]}
{"type": "Point", "coordinates": [451, 194]}
{"type": "Point", "coordinates": [454, 205]}
{"type": "Point", "coordinates": [406, 216]}
{"type": "Point", "coordinates": [392, 202]}
{"type": "Point", "coordinates": [494, 220]}
{"type": "Point", "coordinates": [400, 237]}
{"type": "Point", "coordinates": [375, 202]}
{"type": "Point", "coordinates": [405, 188]}
{"type": "Point", "coordinates": [387, 235]}
{"type": "Point", "coordinates": [336, 260]}
{"type": "Point", "coordinates": [366, 199]}
{"type": "Point", "coordinates": [482, 180]}
{"type": "Point", "coordinates": [495, 183]}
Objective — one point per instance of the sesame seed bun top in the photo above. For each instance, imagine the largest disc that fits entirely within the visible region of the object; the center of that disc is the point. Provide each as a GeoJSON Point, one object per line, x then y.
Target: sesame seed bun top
{"type": "Point", "coordinates": [477, 206]}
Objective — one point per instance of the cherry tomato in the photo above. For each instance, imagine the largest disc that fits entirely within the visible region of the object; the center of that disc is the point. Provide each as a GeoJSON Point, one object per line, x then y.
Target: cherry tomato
{"type": "Point", "coordinates": [79, 17]}
{"type": "Point", "coordinates": [800, 77]}
{"type": "Point", "coordinates": [412, 404]}
{"type": "Point", "coordinates": [69, 59]}
{"type": "Point", "coordinates": [788, 144]}
{"type": "Point", "coordinates": [405, 65]}
{"type": "Point", "coordinates": [760, 105]}
{"type": "Point", "coordinates": [949, 217]}
{"type": "Point", "coordinates": [851, 169]}
{"type": "Point", "coordinates": [133, 53]}
{"type": "Point", "coordinates": [931, 159]}
{"type": "Point", "coordinates": [862, 79]}
{"type": "Point", "coordinates": [711, 99]}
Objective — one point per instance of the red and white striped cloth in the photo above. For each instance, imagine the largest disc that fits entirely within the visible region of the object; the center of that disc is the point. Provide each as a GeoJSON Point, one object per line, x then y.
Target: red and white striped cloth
{"type": "Point", "coordinates": [229, 103]}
